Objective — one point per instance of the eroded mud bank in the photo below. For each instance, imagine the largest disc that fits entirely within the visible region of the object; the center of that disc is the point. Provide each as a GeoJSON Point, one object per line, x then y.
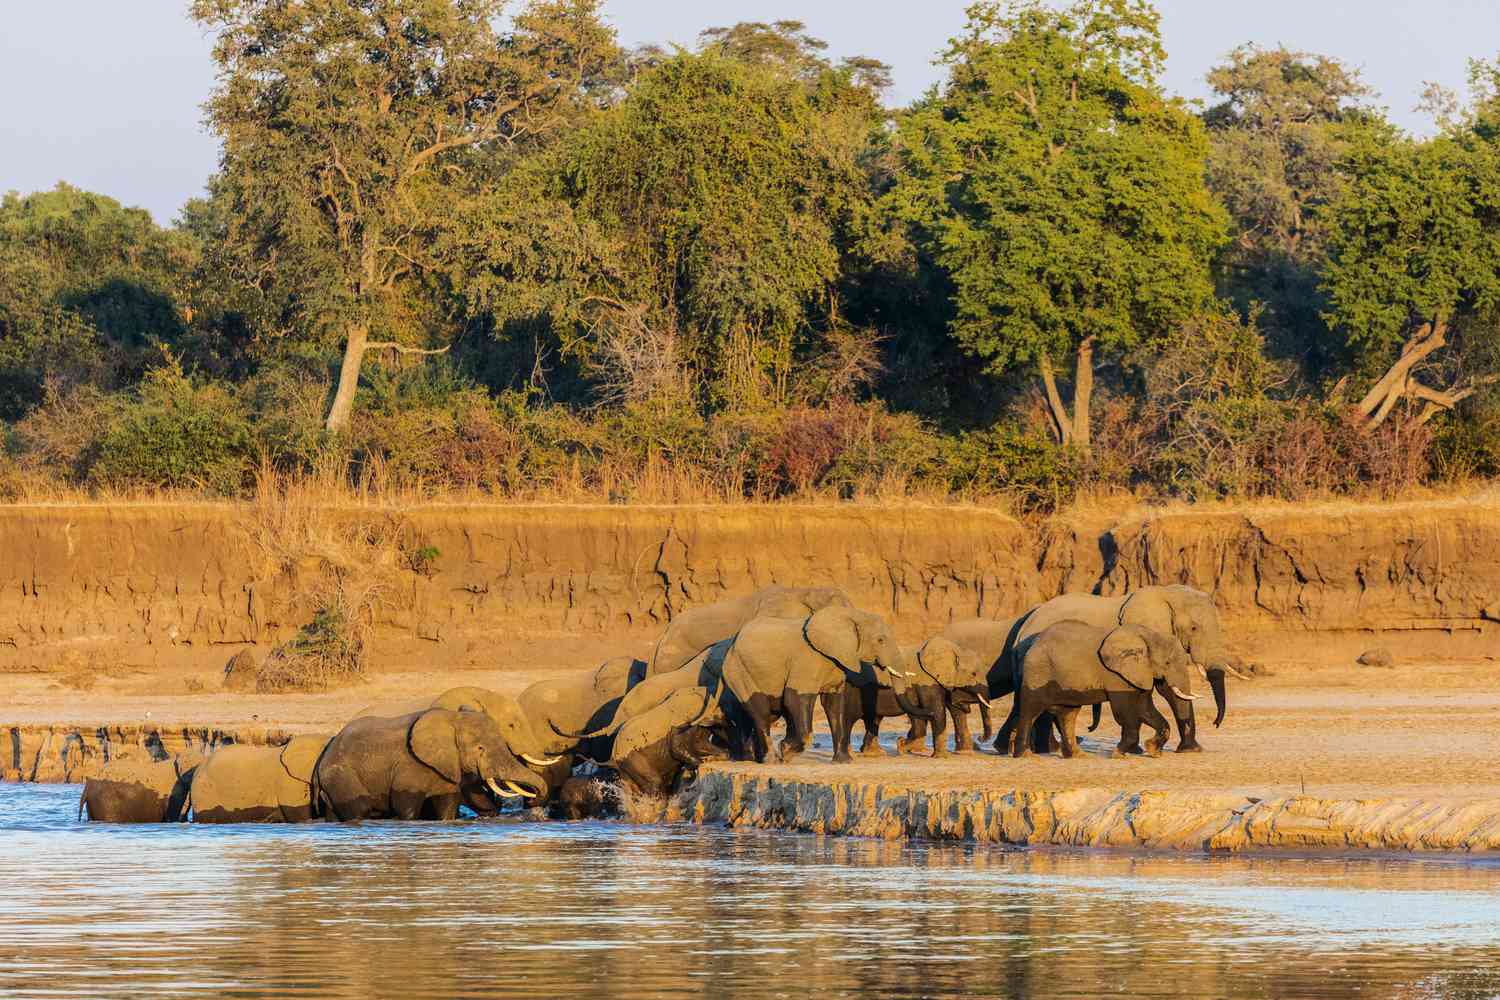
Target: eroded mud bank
{"type": "Point", "coordinates": [66, 753]}
{"type": "Point", "coordinates": [1088, 817]}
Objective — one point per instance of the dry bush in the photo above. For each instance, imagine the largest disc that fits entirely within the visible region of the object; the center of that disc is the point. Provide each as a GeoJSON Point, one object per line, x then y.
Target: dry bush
{"type": "Point", "coordinates": [327, 652]}
{"type": "Point", "coordinates": [193, 685]}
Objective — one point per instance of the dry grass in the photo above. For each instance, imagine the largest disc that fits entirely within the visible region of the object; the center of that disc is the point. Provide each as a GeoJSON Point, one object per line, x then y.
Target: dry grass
{"type": "Point", "coordinates": [328, 652]}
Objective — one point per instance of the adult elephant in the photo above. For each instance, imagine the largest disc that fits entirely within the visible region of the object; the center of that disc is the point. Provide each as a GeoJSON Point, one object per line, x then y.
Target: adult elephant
{"type": "Point", "coordinates": [1180, 611]}
{"type": "Point", "coordinates": [578, 702]}
{"type": "Point", "coordinates": [780, 666]}
{"type": "Point", "coordinates": [654, 748]}
{"type": "Point", "coordinates": [419, 766]}
{"type": "Point", "coordinates": [521, 737]}
{"type": "Point", "coordinates": [1071, 664]}
{"type": "Point", "coordinates": [140, 790]}
{"type": "Point", "coordinates": [703, 675]}
{"type": "Point", "coordinates": [251, 784]}
{"type": "Point", "coordinates": [693, 631]}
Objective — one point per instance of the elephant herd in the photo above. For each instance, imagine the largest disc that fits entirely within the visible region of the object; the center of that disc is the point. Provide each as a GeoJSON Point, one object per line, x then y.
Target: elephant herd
{"type": "Point", "coordinates": [716, 682]}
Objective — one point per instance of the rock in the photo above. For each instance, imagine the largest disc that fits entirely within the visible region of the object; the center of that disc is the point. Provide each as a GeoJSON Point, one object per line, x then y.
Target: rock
{"type": "Point", "coordinates": [1377, 657]}
{"type": "Point", "coordinates": [240, 672]}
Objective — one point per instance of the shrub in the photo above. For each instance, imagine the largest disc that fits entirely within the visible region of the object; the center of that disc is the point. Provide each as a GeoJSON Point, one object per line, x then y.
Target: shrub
{"type": "Point", "coordinates": [175, 432]}
{"type": "Point", "coordinates": [327, 652]}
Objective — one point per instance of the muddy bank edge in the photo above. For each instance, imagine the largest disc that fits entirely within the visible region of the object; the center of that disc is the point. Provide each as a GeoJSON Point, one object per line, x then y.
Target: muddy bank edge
{"type": "Point", "coordinates": [1089, 817]}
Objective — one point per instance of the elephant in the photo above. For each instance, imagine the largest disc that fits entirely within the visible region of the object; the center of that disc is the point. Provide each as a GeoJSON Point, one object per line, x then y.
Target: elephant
{"type": "Point", "coordinates": [1176, 610]}
{"type": "Point", "coordinates": [419, 766]}
{"type": "Point", "coordinates": [703, 674]}
{"type": "Point", "coordinates": [693, 631]}
{"type": "Point", "coordinates": [871, 704]}
{"type": "Point", "coordinates": [778, 666]}
{"type": "Point", "coordinates": [954, 673]}
{"type": "Point", "coordinates": [522, 738]}
{"type": "Point", "coordinates": [578, 702]}
{"type": "Point", "coordinates": [250, 784]}
{"type": "Point", "coordinates": [1071, 664]}
{"type": "Point", "coordinates": [140, 790]}
{"type": "Point", "coordinates": [653, 749]}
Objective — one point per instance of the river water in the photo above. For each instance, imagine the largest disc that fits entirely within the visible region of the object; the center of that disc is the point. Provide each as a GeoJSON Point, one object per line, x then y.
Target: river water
{"type": "Point", "coordinates": [506, 908]}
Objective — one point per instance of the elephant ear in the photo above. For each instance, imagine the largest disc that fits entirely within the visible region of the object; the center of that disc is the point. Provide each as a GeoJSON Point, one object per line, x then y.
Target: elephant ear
{"type": "Point", "coordinates": [1126, 653]}
{"type": "Point", "coordinates": [433, 741]}
{"type": "Point", "coordinates": [300, 756]}
{"type": "Point", "coordinates": [939, 660]}
{"type": "Point", "coordinates": [834, 633]}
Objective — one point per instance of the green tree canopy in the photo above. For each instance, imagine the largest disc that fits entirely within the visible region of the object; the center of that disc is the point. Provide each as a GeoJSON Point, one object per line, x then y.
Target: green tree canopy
{"type": "Point", "coordinates": [87, 288]}
{"type": "Point", "coordinates": [350, 129]}
{"type": "Point", "coordinates": [1414, 255]}
{"type": "Point", "coordinates": [701, 226]}
{"type": "Point", "coordinates": [1061, 192]}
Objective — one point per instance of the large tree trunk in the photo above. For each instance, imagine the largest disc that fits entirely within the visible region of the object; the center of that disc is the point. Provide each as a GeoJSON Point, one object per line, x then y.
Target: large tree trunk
{"type": "Point", "coordinates": [343, 396]}
{"type": "Point", "coordinates": [1083, 394]}
{"type": "Point", "coordinates": [1400, 382]}
{"type": "Point", "coordinates": [1071, 428]}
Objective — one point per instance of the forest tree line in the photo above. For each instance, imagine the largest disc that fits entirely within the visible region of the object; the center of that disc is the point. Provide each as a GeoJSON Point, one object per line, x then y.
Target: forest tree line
{"type": "Point", "coordinates": [455, 247]}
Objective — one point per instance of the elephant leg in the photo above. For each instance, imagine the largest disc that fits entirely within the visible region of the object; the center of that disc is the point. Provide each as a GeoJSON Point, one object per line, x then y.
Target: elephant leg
{"type": "Point", "coordinates": [1156, 721]}
{"type": "Point", "coordinates": [939, 713]}
{"type": "Point", "coordinates": [759, 710]}
{"type": "Point", "coordinates": [841, 728]}
{"type": "Point", "coordinates": [1126, 707]}
{"type": "Point", "coordinates": [407, 805]}
{"type": "Point", "coordinates": [869, 703]}
{"type": "Point", "coordinates": [1029, 710]}
{"type": "Point", "coordinates": [1067, 718]}
{"type": "Point", "coordinates": [799, 710]}
{"type": "Point", "coordinates": [916, 735]}
{"type": "Point", "coordinates": [986, 722]}
{"type": "Point", "coordinates": [963, 742]}
{"type": "Point", "coordinates": [1187, 724]}
{"type": "Point", "coordinates": [1041, 730]}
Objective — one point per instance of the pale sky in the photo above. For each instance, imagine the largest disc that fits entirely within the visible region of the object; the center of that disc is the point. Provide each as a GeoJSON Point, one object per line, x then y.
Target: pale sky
{"type": "Point", "coordinates": [106, 94]}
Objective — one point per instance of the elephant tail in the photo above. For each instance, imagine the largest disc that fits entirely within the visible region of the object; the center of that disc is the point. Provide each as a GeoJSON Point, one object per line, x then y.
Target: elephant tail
{"type": "Point", "coordinates": [82, 800]}
{"type": "Point", "coordinates": [1098, 710]}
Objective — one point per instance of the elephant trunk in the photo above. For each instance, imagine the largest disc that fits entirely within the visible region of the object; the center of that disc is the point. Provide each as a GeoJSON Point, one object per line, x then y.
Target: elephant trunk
{"type": "Point", "coordinates": [913, 709]}
{"type": "Point", "coordinates": [1216, 683]}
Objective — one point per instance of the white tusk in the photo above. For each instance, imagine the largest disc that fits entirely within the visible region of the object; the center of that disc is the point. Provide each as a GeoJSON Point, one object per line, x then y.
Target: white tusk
{"type": "Point", "coordinates": [540, 761]}
{"type": "Point", "coordinates": [498, 793]}
{"type": "Point", "coordinates": [984, 701]}
{"type": "Point", "coordinates": [1184, 697]}
{"type": "Point", "coordinates": [518, 790]}
{"type": "Point", "coordinates": [1241, 676]}
{"type": "Point", "coordinates": [1201, 672]}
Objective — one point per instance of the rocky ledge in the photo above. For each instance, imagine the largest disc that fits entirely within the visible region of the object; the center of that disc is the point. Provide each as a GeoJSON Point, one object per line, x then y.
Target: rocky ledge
{"type": "Point", "coordinates": [1089, 817]}
{"type": "Point", "coordinates": [70, 753]}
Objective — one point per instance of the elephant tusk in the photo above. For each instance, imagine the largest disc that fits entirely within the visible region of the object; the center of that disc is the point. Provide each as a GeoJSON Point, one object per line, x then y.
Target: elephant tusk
{"type": "Point", "coordinates": [502, 794]}
{"type": "Point", "coordinates": [1241, 676]}
{"type": "Point", "coordinates": [516, 789]}
{"type": "Point", "coordinates": [1184, 697]}
{"type": "Point", "coordinates": [1201, 671]}
{"type": "Point", "coordinates": [984, 701]}
{"type": "Point", "coordinates": [540, 761]}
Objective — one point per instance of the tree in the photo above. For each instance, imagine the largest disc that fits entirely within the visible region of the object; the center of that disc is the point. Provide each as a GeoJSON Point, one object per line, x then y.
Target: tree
{"type": "Point", "coordinates": [88, 290]}
{"type": "Point", "coordinates": [350, 129]}
{"type": "Point", "coordinates": [1060, 191]}
{"type": "Point", "coordinates": [695, 235]}
{"type": "Point", "coordinates": [1276, 137]}
{"type": "Point", "coordinates": [1414, 257]}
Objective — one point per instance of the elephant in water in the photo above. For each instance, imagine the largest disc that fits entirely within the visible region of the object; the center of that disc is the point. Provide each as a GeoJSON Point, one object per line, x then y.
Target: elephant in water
{"type": "Point", "coordinates": [653, 749]}
{"type": "Point", "coordinates": [250, 784]}
{"type": "Point", "coordinates": [1072, 664]}
{"type": "Point", "coordinates": [140, 790]}
{"type": "Point", "coordinates": [419, 766]}
{"type": "Point", "coordinates": [576, 703]}
{"type": "Point", "coordinates": [521, 737]}
{"type": "Point", "coordinates": [780, 666]}
{"type": "Point", "coordinates": [693, 631]}
{"type": "Point", "coordinates": [1183, 612]}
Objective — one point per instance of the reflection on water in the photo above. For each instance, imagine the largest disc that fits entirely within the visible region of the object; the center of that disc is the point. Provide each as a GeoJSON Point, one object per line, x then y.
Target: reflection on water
{"type": "Point", "coordinates": [514, 909]}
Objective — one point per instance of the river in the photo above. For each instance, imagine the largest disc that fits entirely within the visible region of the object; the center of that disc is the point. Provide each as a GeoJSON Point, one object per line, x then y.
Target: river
{"type": "Point", "coordinates": [506, 908]}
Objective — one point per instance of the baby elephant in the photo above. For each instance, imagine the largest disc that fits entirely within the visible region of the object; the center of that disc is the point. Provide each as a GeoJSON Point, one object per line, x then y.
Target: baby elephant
{"type": "Point", "coordinates": [1072, 664]}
